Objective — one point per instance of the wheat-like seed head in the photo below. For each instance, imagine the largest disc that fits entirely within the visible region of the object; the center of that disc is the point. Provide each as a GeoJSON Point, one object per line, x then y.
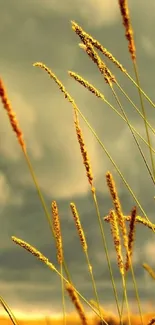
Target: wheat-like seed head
{"type": "Point", "coordinates": [132, 227]}
{"type": "Point", "coordinates": [139, 219]}
{"type": "Point", "coordinates": [59, 83]}
{"type": "Point", "coordinates": [57, 231]}
{"type": "Point", "coordinates": [84, 153]}
{"type": "Point", "coordinates": [117, 240]}
{"type": "Point", "coordinates": [127, 24]}
{"type": "Point", "coordinates": [32, 250]}
{"type": "Point", "coordinates": [12, 116]}
{"type": "Point", "coordinates": [149, 270]}
{"type": "Point", "coordinates": [79, 226]}
{"type": "Point", "coordinates": [86, 84]}
{"type": "Point", "coordinates": [83, 36]}
{"type": "Point", "coordinates": [78, 130]}
{"type": "Point", "coordinates": [108, 77]}
{"type": "Point", "coordinates": [118, 209]}
{"type": "Point", "coordinates": [76, 301]}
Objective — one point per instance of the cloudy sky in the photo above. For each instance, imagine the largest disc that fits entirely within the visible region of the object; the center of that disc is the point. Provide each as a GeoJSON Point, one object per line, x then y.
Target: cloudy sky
{"type": "Point", "coordinates": [37, 30]}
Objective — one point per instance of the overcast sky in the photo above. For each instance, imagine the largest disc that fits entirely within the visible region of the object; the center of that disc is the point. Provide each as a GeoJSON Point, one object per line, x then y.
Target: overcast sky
{"type": "Point", "coordinates": [40, 30]}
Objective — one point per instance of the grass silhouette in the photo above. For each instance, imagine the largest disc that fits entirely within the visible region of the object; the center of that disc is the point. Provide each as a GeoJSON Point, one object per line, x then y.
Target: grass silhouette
{"type": "Point", "coordinates": [123, 239]}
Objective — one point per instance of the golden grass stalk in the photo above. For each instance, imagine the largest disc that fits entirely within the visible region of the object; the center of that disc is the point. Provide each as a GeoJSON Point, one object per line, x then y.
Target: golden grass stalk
{"type": "Point", "coordinates": [138, 111]}
{"type": "Point", "coordinates": [137, 143]}
{"type": "Point", "coordinates": [127, 24]}
{"type": "Point", "coordinates": [79, 227]}
{"type": "Point", "coordinates": [7, 105]}
{"type": "Point", "coordinates": [57, 231]}
{"type": "Point", "coordinates": [139, 219]}
{"type": "Point", "coordinates": [132, 227]}
{"type": "Point", "coordinates": [31, 249]}
{"type": "Point", "coordinates": [145, 119]}
{"type": "Point", "coordinates": [118, 209]}
{"type": "Point", "coordinates": [77, 303]}
{"type": "Point", "coordinates": [149, 225]}
{"type": "Point", "coordinates": [86, 84]}
{"type": "Point", "coordinates": [58, 82]}
{"type": "Point", "coordinates": [117, 240]}
{"type": "Point", "coordinates": [99, 63]}
{"type": "Point", "coordinates": [85, 248]}
{"type": "Point", "coordinates": [84, 153]}
{"type": "Point", "coordinates": [109, 78]}
{"type": "Point", "coordinates": [12, 116]}
{"type": "Point", "coordinates": [149, 270]}
{"type": "Point", "coordinates": [19, 134]}
{"type": "Point", "coordinates": [83, 35]}
{"type": "Point", "coordinates": [98, 94]}
{"type": "Point", "coordinates": [8, 310]}
{"type": "Point", "coordinates": [85, 159]}
{"type": "Point", "coordinates": [76, 109]}
{"type": "Point", "coordinates": [129, 35]}
{"type": "Point", "coordinates": [122, 225]}
{"type": "Point", "coordinates": [90, 180]}
{"type": "Point", "coordinates": [117, 243]}
{"type": "Point", "coordinates": [58, 237]}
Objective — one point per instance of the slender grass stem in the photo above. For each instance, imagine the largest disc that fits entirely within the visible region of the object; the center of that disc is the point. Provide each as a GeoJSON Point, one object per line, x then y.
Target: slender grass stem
{"type": "Point", "coordinates": [138, 111]}
{"type": "Point", "coordinates": [144, 114]}
{"type": "Point", "coordinates": [44, 206]}
{"type": "Point", "coordinates": [8, 310]}
{"type": "Point", "coordinates": [30, 249]}
{"type": "Point", "coordinates": [63, 294]}
{"type": "Point", "coordinates": [126, 299]}
{"type": "Point", "coordinates": [94, 285]}
{"type": "Point", "coordinates": [138, 145]}
{"type": "Point", "coordinates": [106, 252]}
{"type": "Point", "coordinates": [98, 94]}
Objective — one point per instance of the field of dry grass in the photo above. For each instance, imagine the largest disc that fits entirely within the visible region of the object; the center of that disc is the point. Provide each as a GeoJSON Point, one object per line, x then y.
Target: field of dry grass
{"type": "Point", "coordinates": [122, 238]}
{"type": "Point", "coordinates": [73, 319]}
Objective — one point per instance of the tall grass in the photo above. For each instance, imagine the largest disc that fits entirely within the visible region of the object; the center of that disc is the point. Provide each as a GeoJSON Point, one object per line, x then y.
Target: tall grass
{"type": "Point", "coordinates": [123, 240]}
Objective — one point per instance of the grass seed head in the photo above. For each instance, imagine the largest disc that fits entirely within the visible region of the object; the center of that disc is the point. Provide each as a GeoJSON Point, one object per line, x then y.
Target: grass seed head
{"type": "Point", "coordinates": [79, 226]}
{"type": "Point", "coordinates": [117, 240]}
{"type": "Point", "coordinates": [108, 77]}
{"type": "Point", "coordinates": [118, 209]}
{"type": "Point", "coordinates": [86, 84]}
{"type": "Point", "coordinates": [76, 301]}
{"type": "Point", "coordinates": [131, 234]}
{"type": "Point", "coordinates": [83, 36]}
{"type": "Point", "coordinates": [31, 249]}
{"type": "Point", "coordinates": [127, 24]}
{"type": "Point", "coordinates": [59, 83]}
{"type": "Point", "coordinates": [84, 153]}
{"type": "Point", "coordinates": [139, 219]}
{"type": "Point", "coordinates": [57, 231]}
{"type": "Point", "coordinates": [12, 116]}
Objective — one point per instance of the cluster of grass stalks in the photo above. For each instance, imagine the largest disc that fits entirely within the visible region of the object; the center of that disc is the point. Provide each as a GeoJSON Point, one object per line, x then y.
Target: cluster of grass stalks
{"type": "Point", "coordinates": [123, 238]}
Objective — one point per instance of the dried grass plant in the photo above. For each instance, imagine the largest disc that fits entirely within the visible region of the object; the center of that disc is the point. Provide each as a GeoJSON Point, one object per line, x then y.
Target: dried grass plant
{"type": "Point", "coordinates": [58, 238]}
{"type": "Point", "coordinates": [116, 218]}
